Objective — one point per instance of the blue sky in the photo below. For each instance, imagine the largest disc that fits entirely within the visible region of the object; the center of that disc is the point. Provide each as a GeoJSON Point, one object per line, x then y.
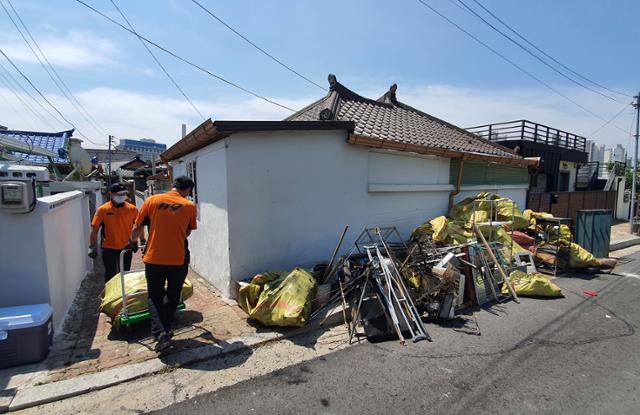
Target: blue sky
{"type": "Point", "coordinates": [367, 44]}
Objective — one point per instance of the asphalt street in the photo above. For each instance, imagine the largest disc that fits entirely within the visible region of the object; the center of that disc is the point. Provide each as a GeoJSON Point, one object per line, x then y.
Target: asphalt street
{"type": "Point", "coordinates": [578, 354]}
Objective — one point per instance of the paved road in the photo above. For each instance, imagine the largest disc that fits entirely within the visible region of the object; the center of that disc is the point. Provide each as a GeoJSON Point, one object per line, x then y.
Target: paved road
{"type": "Point", "coordinates": [579, 354]}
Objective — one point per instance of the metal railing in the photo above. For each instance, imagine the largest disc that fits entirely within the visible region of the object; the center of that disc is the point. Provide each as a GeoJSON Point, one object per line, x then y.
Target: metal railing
{"type": "Point", "coordinates": [523, 130]}
{"type": "Point", "coordinates": [593, 171]}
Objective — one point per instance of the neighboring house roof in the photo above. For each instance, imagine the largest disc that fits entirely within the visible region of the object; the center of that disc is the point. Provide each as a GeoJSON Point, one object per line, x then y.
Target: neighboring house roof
{"type": "Point", "coordinates": [383, 123]}
{"type": "Point", "coordinates": [389, 121]}
{"type": "Point", "coordinates": [132, 164]}
{"type": "Point", "coordinates": [48, 141]}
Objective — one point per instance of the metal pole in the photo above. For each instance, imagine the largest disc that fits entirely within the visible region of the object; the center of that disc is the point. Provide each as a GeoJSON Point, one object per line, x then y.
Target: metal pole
{"type": "Point", "coordinates": [635, 165]}
{"type": "Point", "coordinates": [109, 165]}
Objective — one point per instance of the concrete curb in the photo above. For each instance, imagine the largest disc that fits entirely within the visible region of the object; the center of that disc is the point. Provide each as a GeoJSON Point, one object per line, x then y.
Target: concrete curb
{"type": "Point", "coordinates": [625, 243]}
{"type": "Point", "coordinates": [50, 392]}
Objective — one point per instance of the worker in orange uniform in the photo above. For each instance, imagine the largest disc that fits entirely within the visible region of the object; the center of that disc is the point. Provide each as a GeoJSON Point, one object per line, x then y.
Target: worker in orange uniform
{"type": "Point", "coordinates": [115, 218]}
{"type": "Point", "coordinates": [170, 218]}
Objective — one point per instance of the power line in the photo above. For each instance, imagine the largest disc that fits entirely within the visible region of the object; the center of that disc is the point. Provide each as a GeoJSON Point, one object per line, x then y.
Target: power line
{"type": "Point", "coordinates": [64, 93]}
{"type": "Point", "coordinates": [607, 123]}
{"type": "Point", "coordinates": [80, 107]}
{"type": "Point", "coordinates": [553, 68]}
{"type": "Point", "coordinates": [549, 56]}
{"type": "Point", "coordinates": [243, 37]}
{"type": "Point", "coordinates": [6, 81]}
{"type": "Point", "coordinates": [180, 58]}
{"type": "Point", "coordinates": [510, 62]}
{"type": "Point", "coordinates": [34, 99]}
{"type": "Point", "coordinates": [26, 78]}
{"type": "Point", "coordinates": [8, 102]}
{"type": "Point", "coordinates": [157, 61]}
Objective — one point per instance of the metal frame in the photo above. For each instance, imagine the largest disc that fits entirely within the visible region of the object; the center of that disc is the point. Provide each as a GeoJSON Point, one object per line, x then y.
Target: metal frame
{"type": "Point", "coordinates": [493, 223]}
{"type": "Point", "coordinates": [125, 318]}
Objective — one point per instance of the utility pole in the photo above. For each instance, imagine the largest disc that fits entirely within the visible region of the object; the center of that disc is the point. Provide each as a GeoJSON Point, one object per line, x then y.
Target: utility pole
{"type": "Point", "coordinates": [632, 216]}
{"type": "Point", "coordinates": [109, 165]}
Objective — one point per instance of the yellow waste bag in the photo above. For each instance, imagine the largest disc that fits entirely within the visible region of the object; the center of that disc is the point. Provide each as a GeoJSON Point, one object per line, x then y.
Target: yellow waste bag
{"type": "Point", "coordinates": [532, 285]}
{"type": "Point", "coordinates": [564, 235]}
{"type": "Point", "coordinates": [421, 231]}
{"type": "Point", "coordinates": [509, 211]}
{"type": "Point", "coordinates": [463, 211]}
{"type": "Point", "coordinates": [502, 236]}
{"type": "Point", "coordinates": [440, 225]}
{"type": "Point", "coordinates": [532, 217]}
{"type": "Point", "coordinates": [581, 258]}
{"type": "Point", "coordinates": [279, 299]}
{"type": "Point", "coordinates": [135, 286]}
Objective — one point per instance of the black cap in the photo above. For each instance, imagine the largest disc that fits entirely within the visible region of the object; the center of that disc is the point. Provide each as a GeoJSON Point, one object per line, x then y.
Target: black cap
{"type": "Point", "coordinates": [117, 187]}
{"type": "Point", "coordinates": [183, 183]}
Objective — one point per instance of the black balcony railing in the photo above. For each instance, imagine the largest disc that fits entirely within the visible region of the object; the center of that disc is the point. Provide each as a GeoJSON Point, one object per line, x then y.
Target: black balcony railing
{"type": "Point", "coordinates": [524, 130]}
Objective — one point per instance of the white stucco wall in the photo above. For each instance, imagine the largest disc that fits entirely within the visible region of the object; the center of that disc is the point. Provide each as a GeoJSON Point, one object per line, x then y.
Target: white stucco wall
{"type": "Point", "coordinates": [44, 253]}
{"type": "Point", "coordinates": [291, 193]}
{"type": "Point", "coordinates": [209, 244]}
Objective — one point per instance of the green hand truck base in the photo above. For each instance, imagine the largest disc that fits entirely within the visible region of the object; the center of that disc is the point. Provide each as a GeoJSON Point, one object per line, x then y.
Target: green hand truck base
{"type": "Point", "coordinates": [126, 321]}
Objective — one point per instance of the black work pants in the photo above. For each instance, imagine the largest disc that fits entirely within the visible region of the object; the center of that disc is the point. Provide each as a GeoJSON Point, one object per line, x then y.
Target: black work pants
{"type": "Point", "coordinates": [163, 302]}
{"type": "Point", "coordinates": [111, 260]}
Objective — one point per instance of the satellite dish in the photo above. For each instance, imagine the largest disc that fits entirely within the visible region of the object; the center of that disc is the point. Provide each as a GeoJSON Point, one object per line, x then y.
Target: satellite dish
{"type": "Point", "coordinates": [79, 158]}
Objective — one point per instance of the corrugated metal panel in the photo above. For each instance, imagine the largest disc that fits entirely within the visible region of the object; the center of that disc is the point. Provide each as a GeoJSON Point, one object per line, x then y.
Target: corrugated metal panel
{"type": "Point", "coordinates": [593, 231]}
{"type": "Point", "coordinates": [478, 173]}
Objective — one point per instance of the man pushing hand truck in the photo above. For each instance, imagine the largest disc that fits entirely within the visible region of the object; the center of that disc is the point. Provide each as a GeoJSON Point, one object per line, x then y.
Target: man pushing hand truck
{"type": "Point", "coordinates": [170, 218]}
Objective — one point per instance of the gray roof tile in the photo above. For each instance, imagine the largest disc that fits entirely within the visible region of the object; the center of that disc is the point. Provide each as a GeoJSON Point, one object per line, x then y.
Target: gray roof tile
{"type": "Point", "coordinates": [389, 119]}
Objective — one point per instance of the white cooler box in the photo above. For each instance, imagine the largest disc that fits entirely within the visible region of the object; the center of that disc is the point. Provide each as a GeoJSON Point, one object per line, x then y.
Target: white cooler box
{"type": "Point", "coordinates": [26, 332]}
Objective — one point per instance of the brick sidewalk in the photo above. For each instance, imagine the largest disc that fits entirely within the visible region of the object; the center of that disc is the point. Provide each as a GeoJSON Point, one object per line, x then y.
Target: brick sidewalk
{"type": "Point", "coordinates": [88, 344]}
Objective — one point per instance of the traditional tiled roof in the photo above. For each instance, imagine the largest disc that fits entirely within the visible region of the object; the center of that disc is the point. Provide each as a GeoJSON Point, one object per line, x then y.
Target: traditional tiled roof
{"type": "Point", "coordinates": [393, 121]}
{"type": "Point", "coordinates": [48, 141]}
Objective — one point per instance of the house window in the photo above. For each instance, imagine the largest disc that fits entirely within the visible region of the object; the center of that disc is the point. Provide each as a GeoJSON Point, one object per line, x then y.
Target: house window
{"type": "Point", "coordinates": [191, 173]}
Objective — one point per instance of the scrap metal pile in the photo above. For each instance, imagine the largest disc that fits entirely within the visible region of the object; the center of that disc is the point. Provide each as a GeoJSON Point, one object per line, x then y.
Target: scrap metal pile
{"type": "Point", "coordinates": [487, 250]}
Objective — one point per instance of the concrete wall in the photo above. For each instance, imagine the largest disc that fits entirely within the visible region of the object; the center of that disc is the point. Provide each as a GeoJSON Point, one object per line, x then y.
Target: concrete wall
{"type": "Point", "coordinates": [291, 193]}
{"type": "Point", "coordinates": [209, 244]}
{"type": "Point", "coordinates": [44, 253]}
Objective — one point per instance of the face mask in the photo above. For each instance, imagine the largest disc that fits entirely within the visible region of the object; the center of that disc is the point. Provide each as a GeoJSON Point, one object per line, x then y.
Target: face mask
{"type": "Point", "coordinates": [118, 200]}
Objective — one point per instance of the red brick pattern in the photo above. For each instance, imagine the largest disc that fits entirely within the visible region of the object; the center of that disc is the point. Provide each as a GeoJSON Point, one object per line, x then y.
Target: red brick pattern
{"type": "Point", "coordinates": [88, 344]}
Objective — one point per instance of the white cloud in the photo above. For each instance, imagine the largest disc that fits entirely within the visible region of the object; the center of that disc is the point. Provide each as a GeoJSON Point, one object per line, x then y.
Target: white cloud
{"type": "Point", "coordinates": [127, 114]}
{"type": "Point", "coordinates": [71, 50]}
{"type": "Point", "coordinates": [467, 107]}
{"type": "Point", "coordinates": [135, 115]}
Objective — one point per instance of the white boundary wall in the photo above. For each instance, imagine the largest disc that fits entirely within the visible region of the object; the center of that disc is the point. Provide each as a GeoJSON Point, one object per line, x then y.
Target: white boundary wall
{"type": "Point", "coordinates": [44, 253]}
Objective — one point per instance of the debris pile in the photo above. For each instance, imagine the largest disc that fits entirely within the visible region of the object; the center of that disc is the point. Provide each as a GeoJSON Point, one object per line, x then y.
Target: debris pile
{"type": "Point", "coordinates": [486, 250]}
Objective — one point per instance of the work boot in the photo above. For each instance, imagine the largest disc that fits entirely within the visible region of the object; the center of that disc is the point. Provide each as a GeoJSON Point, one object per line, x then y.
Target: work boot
{"type": "Point", "coordinates": [163, 343]}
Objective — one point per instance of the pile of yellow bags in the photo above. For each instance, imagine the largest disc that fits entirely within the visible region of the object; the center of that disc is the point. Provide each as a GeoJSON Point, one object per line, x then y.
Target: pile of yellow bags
{"type": "Point", "coordinates": [458, 227]}
{"type": "Point", "coordinates": [279, 298]}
